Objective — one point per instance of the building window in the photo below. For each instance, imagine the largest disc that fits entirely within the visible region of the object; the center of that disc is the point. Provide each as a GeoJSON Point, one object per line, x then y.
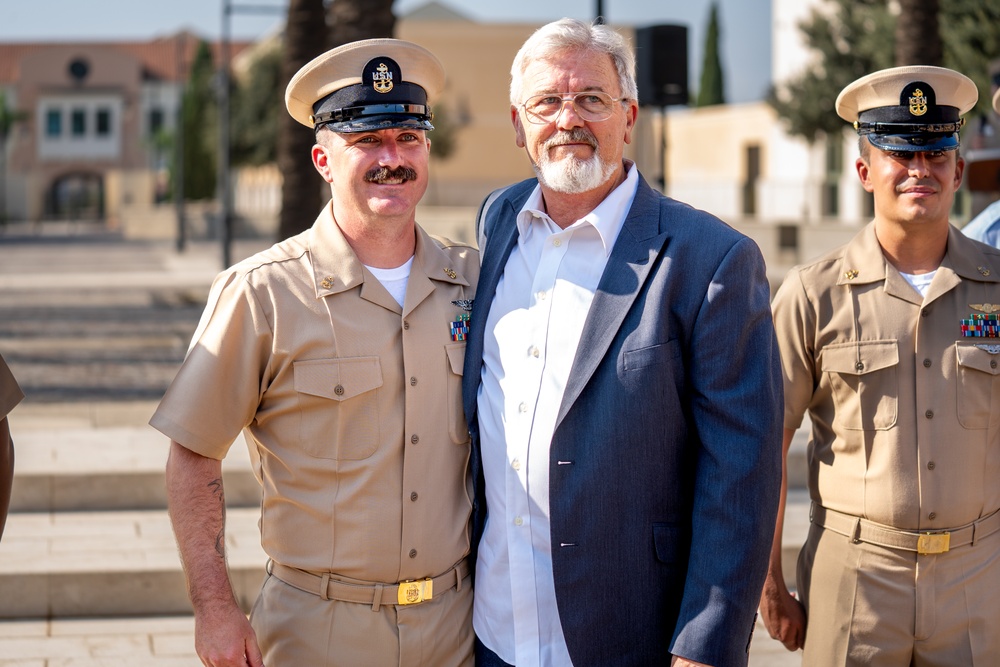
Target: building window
{"type": "Point", "coordinates": [53, 122]}
{"type": "Point", "coordinates": [834, 169]}
{"type": "Point", "coordinates": [78, 122]}
{"type": "Point", "coordinates": [752, 161]}
{"type": "Point", "coordinates": [155, 121]}
{"type": "Point", "coordinates": [103, 122]}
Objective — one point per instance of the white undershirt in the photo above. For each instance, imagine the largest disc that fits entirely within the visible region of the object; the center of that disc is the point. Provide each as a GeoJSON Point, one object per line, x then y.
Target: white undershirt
{"type": "Point", "coordinates": [394, 280]}
{"type": "Point", "coordinates": [920, 281]}
{"type": "Point", "coordinates": [532, 333]}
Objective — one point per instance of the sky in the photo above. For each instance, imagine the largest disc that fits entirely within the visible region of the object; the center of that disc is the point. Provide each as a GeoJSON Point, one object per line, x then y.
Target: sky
{"type": "Point", "coordinates": [745, 24]}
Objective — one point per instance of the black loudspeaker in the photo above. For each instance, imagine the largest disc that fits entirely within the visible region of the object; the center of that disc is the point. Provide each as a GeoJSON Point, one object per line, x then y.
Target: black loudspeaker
{"type": "Point", "coordinates": [661, 55]}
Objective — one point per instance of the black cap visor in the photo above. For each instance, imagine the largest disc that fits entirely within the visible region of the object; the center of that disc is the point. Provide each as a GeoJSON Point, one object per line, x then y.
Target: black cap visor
{"type": "Point", "coordinates": [914, 143]}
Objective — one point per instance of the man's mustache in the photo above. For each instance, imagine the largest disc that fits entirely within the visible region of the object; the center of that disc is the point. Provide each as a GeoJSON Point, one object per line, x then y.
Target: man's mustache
{"type": "Point", "coordinates": [382, 174]}
{"type": "Point", "coordinates": [578, 135]}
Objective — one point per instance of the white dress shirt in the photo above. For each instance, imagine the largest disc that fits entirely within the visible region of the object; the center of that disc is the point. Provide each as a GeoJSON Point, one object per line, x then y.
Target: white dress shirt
{"type": "Point", "coordinates": [532, 333]}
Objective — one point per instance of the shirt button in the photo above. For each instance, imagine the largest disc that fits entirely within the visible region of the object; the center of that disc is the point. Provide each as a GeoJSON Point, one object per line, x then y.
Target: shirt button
{"type": "Point", "coordinates": [533, 351]}
{"type": "Point", "coordinates": [993, 363]}
{"type": "Point", "coordinates": [413, 382]}
{"type": "Point", "coordinates": [339, 390]}
{"type": "Point", "coordinates": [522, 408]}
{"type": "Point", "coordinates": [414, 438]}
{"type": "Point", "coordinates": [413, 496]}
{"type": "Point", "coordinates": [859, 366]}
{"type": "Point", "coordinates": [924, 312]}
{"type": "Point", "coordinates": [927, 363]}
{"type": "Point", "coordinates": [413, 553]}
{"type": "Point", "coordinates": [929, 414]}
{"type": "Point", "coordinates": [557, 242]}
{"type": "Point", "coordinates": [406, 325]}
{"type": "Point", "coordinates": [931, 465]}
{"type": "Point", "coordinates": [932, 515]}
{"type": "Point", "coordinates": [541, 296]}
{"type": "Point", "coordinates": [518, 521]}
{"type": "Point", "coordinates": [516, 464]}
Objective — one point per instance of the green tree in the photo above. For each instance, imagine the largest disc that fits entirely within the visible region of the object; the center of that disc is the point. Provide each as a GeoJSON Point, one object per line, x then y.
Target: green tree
{"type": "Point", "coordinates": [200, 118]}
{"type": "Point", "coordinates": [259, 103]}
{"type": "Point", "coordinates": [8, 118]}
{"type": "Point", "coordinates": [852, 38]}
{"type": "Point", "coordinates": [710, 91]}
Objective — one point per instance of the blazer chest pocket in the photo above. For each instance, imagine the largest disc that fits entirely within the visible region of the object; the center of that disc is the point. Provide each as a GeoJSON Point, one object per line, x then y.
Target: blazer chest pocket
{"type": "Point", "coordinates": [338, 407]}
{"type": "Point", "coordinates": [864, 381]}
{"type": "Point", "coordinates": [978, 384]}
{"type": "Point", "coordinates": [651, 356]}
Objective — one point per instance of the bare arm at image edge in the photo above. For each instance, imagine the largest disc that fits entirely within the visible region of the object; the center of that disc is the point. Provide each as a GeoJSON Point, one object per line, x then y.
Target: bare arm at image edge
{"type": "Point", "coordinates": [196, 499]}
{"type": "Point", "coordinates": [783, 615]}
{"type": "Point", "coordinates": [6, 471]}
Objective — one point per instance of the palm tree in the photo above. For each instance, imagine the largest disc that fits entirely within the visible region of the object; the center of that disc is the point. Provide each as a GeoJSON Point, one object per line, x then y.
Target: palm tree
{"type": "Point", "coordinates": [918, 37]}
{"type": "Point", "coordinates": [301, 187]}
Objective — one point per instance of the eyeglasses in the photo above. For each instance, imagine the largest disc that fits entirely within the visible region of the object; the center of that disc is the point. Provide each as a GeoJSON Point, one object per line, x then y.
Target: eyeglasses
{"type": "Point", "coordinates": [591, 106]}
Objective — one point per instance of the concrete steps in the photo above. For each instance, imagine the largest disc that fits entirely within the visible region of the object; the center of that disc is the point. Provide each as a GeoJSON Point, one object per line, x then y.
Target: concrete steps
{"type": "Point", "coordinates": [89, 534]}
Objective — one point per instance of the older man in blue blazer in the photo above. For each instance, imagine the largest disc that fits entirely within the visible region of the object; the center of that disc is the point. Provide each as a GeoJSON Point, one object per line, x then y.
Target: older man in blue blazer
{"type": "Point", "coordinates": [623, 391]}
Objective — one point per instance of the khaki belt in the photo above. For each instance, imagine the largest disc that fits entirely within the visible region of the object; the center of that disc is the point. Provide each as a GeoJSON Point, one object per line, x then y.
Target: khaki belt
{"type": "Point", "coordinates": [923, 542]}
{"type": "Point", "coordinates": [402, 593]}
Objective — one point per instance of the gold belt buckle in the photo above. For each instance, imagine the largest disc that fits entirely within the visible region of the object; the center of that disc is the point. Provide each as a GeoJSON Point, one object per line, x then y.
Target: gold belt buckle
{"type": "Point", "coordinates": [933, 543]}
{"type": "Point", "coordinates": [412, 592]}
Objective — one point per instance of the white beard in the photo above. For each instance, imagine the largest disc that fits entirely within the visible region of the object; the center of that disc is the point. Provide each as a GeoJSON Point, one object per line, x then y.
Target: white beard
{"type": "Point", "coordinates": [571, 175]}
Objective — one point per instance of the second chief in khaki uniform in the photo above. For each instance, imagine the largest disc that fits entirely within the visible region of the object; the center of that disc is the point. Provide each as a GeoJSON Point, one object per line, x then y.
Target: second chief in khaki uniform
{"type": "Point", "coordinates": [889, 343]}
{"type": "Point", "coordinates": [339, 353]}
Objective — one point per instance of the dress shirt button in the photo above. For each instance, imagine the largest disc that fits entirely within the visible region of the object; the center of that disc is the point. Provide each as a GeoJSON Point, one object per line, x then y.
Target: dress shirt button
{"type": "Point", "coordinates": [522, 408]}
{"type": "Point", "coordinates": [339, 390]}
{"type": "Point", "coordinates": [929, 414]}
{"type": "Point", "coordinates": [413, 553]}
{"type": "Point", "coordinates": [924, 312]}
{"type": "Point", "coordinates": [931, 465]}
{"type": "Point", "coordinates": [541, 296]}
{"type": "Point", "coordinates": [932, 515]}
{"type": "Point", "coordinates": [413, 382]}
{"type": "Point", "coordinates": [557, 242]}
{"type": "Point", "coordinates": [533, 351]}
{"type": "Point", "coordinates": [518, 521]}
{"type": "Point", "coordinates": [414, 438]}
{"type": "Point", "coordinates": [413, 496]}
{"type": "Point", "coordinates": [406, 325]}
{"type": "Point", "coordinates": [516, 464]}
{"type": "Point", "coordinates": [859, 366]}
{"type": "Point", "coordinates": [927, 363]}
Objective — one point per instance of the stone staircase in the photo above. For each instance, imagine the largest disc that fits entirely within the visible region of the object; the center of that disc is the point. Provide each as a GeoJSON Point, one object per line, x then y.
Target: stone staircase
{"type": "Point", "coordinates": [88, 533]}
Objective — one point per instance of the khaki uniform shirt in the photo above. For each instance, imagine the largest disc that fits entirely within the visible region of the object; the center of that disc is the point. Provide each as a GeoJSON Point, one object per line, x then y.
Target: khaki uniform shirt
{"type": "Point", "coordinates": [10, 393]}
{"type": "Point", "coordinates": [351, 405]}
{"type": "Point", "coordinates": [905, 410]}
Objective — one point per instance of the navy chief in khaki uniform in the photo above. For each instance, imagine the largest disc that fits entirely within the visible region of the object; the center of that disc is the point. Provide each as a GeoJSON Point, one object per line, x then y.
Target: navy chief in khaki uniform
{"type": "Point", "coordinates": [890, 344]}
{"type": "Point", "coordinates": [338, 353]}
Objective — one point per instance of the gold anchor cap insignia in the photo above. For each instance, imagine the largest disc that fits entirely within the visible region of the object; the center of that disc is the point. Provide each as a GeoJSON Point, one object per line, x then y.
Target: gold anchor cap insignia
{"type": "Point", "coordinates": [451, 273]}
{"type": "Point", "coordinates": [382, 79]}
{"type": "Point", "coordinates": [918, 103]}
{"type": "Point", "coordinates": [988, 308]}
{"type": "Point", "coordinates": [851, 274]}
{"type": "Point", "coordinates": [327, 282]}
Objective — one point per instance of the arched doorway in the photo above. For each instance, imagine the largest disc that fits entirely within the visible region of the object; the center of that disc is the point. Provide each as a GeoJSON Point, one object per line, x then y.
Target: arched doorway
{"type": "Point", "coordinates": [76, 196]}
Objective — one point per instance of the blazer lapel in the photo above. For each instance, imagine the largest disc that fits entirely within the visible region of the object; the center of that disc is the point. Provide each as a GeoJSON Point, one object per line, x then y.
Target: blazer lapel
{"type": "Point", "coordinates": [639, 243]}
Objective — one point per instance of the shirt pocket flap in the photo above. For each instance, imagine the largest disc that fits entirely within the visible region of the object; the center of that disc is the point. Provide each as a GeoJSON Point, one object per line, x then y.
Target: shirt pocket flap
{"type": "Point", "coordinates": [971, 356]}
{"type": "Point", "coordinates": [860, 358]}
{"type": "Point", "coordinates": [456, 357]}
{"type": "Point", "coordinates": [338, 379]}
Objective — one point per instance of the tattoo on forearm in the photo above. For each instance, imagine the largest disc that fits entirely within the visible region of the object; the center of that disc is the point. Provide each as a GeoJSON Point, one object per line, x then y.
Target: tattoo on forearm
{"type": "Point", "coordinates": [217, 489]}
{"type": "Point", "coordinates": [220, 543]}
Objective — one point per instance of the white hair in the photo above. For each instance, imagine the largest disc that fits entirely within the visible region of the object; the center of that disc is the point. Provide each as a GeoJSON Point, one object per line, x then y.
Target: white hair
{"type": "Point", "coordinates": [575, 35]}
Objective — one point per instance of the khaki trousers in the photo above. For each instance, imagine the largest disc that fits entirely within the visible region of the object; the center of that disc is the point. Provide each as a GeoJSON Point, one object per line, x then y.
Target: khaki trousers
{"type": "Point", "coordinates": [296, 628]}
{"type": "Point", "coordinates": [872, 606]}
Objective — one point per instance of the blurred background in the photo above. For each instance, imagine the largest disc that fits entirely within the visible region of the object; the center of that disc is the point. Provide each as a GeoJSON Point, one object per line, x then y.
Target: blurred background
{"type": "Point", "coordinates": [143, 147]}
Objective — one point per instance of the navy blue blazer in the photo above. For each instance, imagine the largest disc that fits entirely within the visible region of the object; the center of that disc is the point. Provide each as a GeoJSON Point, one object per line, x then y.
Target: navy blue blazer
{"type": "Point", "coordinates": [661, 523]}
